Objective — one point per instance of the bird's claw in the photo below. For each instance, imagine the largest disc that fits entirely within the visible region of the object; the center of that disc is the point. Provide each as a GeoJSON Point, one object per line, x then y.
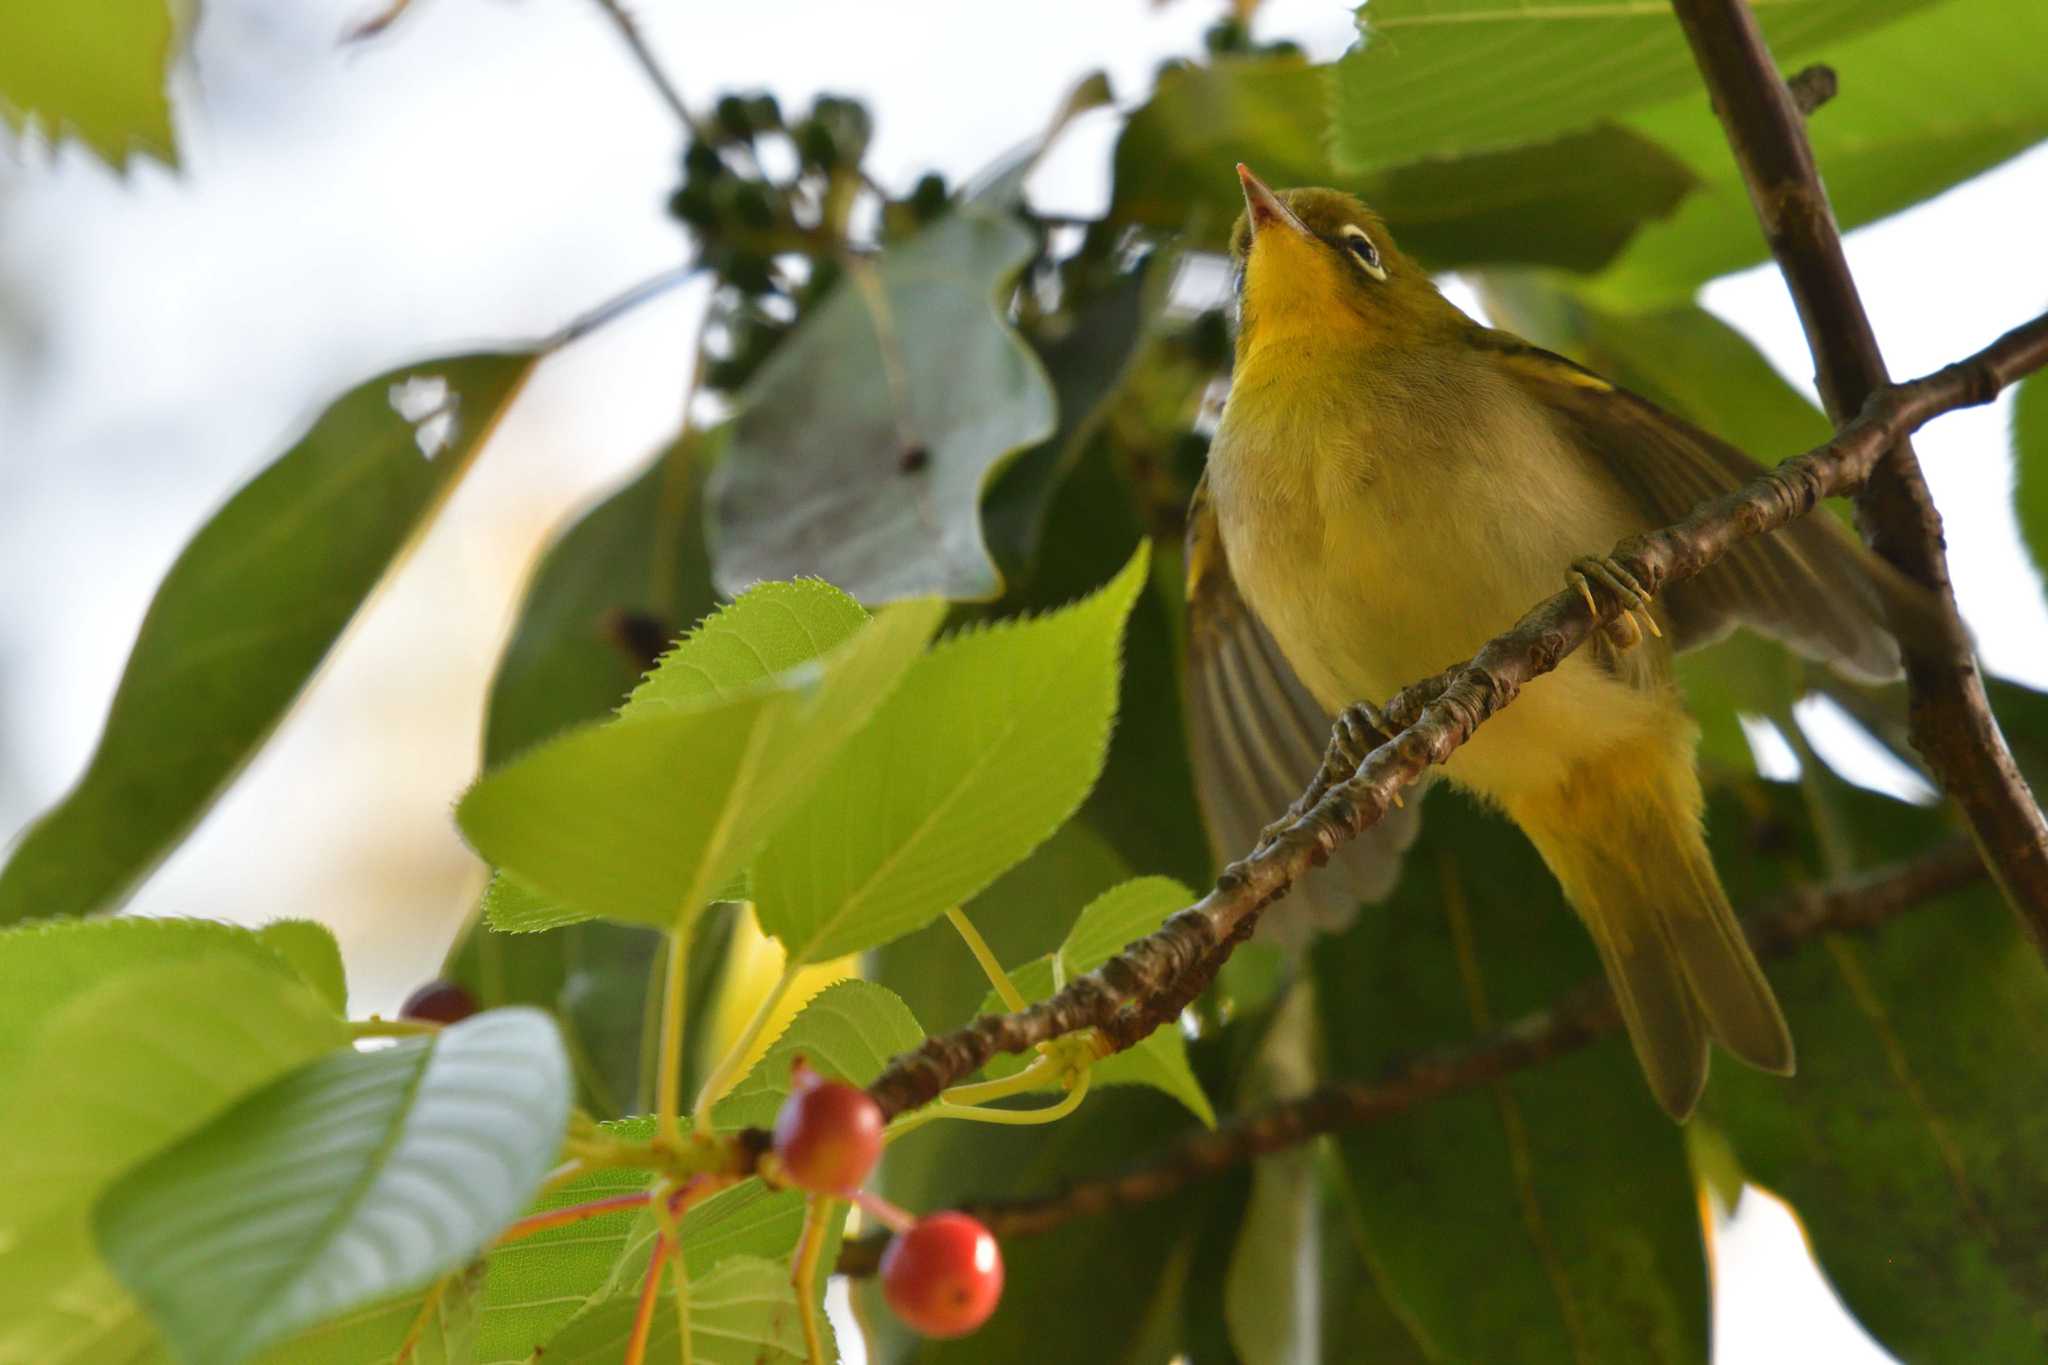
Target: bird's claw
{"type": "Point", "coordinates": [1359, 729]}
{"type": "Point", "coordinates": [1612, 575]}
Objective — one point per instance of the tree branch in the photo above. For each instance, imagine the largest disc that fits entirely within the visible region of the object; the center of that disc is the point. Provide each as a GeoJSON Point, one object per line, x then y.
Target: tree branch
{"type": "Point", "coordinates": [1580, 1018]}
{"type": "Point", "coordinates": [629, 29]}
{"type": "Point", "coordinates": [1949, 716]}
{"type": "Point", "coordinates": [1153, 979]}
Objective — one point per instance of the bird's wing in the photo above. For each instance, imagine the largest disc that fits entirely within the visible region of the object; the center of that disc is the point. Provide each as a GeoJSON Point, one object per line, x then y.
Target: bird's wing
{"type": "Point", "coordinates": [1257, 737]}
{"type": "Point", "coordinates": [1810, 585]}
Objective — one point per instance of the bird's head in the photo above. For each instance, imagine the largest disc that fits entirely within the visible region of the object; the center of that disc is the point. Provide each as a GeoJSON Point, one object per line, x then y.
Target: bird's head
{"type": "Point", "coordinates": [1315, 264]}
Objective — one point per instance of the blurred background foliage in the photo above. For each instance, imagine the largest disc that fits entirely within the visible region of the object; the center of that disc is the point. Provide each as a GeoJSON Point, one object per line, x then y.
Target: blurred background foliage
{"type": "Point", "coordinates": [948, 392]}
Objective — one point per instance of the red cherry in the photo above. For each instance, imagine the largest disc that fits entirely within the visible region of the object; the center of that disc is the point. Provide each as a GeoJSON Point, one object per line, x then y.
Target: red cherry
{"type": "Point", "coordinates": [944, 1276]}
{"type": "Point", "coordinates": [828, 1134]}
{"type": "Point", "coordinates": [443, 1002]}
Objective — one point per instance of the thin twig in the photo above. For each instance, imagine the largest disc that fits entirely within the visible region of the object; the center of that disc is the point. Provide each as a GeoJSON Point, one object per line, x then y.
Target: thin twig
{"type": "Point", "coordinates": [1949, 716]}
{"type": "Point", "coordinates": [1580, 1018]}
{"type": "Point", "coordinates": [629, 29]}
{"type": "Point", "coordinates": [1153, 979]}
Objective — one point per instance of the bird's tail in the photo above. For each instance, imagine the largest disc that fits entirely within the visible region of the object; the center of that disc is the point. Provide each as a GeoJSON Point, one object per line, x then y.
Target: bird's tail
{"type": "Point", "coordinates": [1624, 840]}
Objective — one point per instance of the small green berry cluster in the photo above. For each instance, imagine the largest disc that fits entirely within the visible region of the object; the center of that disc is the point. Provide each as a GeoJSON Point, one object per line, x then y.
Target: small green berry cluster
{"type": "Point", "coordinates": [771, 203]}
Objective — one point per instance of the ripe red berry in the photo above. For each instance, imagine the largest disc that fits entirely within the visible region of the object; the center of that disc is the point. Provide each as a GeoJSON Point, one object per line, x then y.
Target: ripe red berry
{"type": "Point", "coordinates": [828, 1134]}
{"type": "Point", "coordinates": [443, 1002]}
{"type": "Point", "coordinates": [944, 1276]}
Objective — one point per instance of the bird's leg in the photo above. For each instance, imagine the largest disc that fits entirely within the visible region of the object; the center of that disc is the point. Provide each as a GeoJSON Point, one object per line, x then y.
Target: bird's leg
{"type": "Point", "coordinates": [1359, 729]}
{"type": "Point", "coordinates": [1612, 575]}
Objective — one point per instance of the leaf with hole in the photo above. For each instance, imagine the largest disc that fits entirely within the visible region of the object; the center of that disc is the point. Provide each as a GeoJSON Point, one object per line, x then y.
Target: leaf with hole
{"type": "Point", "coordinates": [863, 445]}
{"type": "Point", "coordinates": [352, 1178]}
{"type": "Point", "coordinates": [245, 616]}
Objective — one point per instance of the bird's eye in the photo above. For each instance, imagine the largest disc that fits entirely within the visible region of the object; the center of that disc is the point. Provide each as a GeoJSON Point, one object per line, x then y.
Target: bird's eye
{"type": "Point", "coordinates": [1361, 248]}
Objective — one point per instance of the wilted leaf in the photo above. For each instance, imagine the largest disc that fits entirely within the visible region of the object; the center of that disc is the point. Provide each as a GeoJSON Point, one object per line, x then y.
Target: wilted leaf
{"type": "Point", "coordinates": [863, 445]}
{"type": "Point", "coordinates": [234, 1240]}
{"type": "Point", "coordinates": [986, 748]}
{"type": "Point", "coordinates": [247, 613]}
{"type": "Point", "coordinates": [93, 71]}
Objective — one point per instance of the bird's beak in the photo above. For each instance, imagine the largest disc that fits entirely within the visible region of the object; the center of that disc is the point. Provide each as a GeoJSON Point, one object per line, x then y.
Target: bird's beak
{"type": "Point", "coordinates": [1265, 207]}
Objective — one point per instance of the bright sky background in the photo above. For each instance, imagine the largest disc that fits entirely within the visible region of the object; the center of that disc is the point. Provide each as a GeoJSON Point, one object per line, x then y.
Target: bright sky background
{"type": "Point", "coordinates": [490, 169]}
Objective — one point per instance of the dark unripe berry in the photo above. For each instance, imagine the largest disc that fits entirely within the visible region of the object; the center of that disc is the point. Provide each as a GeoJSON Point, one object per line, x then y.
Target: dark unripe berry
{"type": "Point", "coordinates": [1227, 36]}
{"type": "Point", "coordinates": [928, 199]}
{"type": "Point", "coordinates": [734, 117]}
{"type": "Point", "coordinates": [944, 1276]}
{"type": "Point", "coordinates": [764, 112]}
{"type": "Point", "coordinates": [752, 205]}
{"type": "Point", "coordinates": [693, 204]}
{"type": "Point", "coordinates": [702, 162]}
{"type": "Point", "coordinates": [441, 1002]}
{"type": "Point", "coordinates": [828, 1134]}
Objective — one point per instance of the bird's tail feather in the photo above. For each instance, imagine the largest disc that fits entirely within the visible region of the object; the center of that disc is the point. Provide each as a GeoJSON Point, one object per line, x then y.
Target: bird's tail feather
{"type": "Point", "coordinates": [1626, 845]}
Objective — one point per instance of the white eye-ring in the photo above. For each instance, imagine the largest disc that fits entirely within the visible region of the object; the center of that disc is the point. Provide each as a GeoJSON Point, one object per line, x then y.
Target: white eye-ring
{"type": "Point", "coordinates": [1360, 246]}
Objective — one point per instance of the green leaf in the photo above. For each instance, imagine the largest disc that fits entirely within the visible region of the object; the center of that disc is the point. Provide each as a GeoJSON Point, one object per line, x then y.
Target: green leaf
{"type": "Point", "coordinates": [2030, 466]}
{"type": "Point", "coordinates": [177, 1020]}
{"type": "Point", "coordinates": [1550, 1217]}
{"type": "Point", "coordinates": [1905, 125]}
{"type": "Point", "coordinates": [993, 739]}
{"type": "Point", "coordinates": [540, 1284]}
{"type": "Point", "coordinates": [312, 952]}
{"type": "Point", "coordinates": [375, 1335]}
{"type": "Point", "coordinates": [95, 72]}
{"type": "Point", "coordinates": [848, 1032]}
{"type": "Point", "coordinates": [244, 617]}
{"type": "Point", "coordinates": [645, 818]}
{"type": "Point", "coordinates": [1113, 919]}
{"type": "Point", "coordinates": [634, 566]}
{"type": "Point", "coordinates": [743, 1313]}
{"type": "Point", "coordinates": [863, 445]}
{"type": "Point", "coordinates": [1570, 200]}
{"type": "Point", "coordinates": [769, 630]}
{"type": "Point", "coordinates": [1438, 78]}
{"type": "Point", "coordinates": [1909, 1140]}
{"type": "Point", "coordinates": [48, 963]}
{"type": "Point", "coordinates": [354, 1177]}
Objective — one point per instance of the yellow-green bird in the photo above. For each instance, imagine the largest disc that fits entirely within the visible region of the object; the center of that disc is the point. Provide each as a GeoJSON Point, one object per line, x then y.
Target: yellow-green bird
{"type": "Point", "coordinates": [1391, 485]}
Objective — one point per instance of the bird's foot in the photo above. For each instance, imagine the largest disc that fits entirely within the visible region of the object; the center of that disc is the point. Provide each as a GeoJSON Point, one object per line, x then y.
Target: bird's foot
{"type": "Point", "coordinates": [1359, 729]}
{"type": "Point", "coordinates": [1612, 575]}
